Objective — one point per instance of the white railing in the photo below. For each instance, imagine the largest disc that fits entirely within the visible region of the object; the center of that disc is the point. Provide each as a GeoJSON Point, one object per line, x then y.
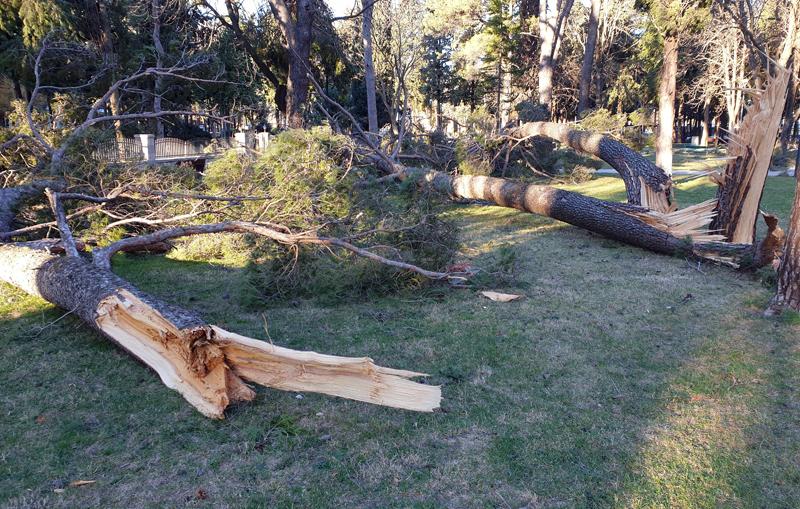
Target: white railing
{"type": "Point", "coordinates": [148, 148]}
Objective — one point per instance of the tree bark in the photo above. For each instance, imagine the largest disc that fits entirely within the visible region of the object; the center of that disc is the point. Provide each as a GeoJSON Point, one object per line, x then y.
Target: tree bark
{"type": "Point", "coordinates": [205, 364]}
{"type": "Point", "coordinates": [645, 183]}
{"type": "Point", "coordinates": [666, 103]}
{"type": "Point", "coordinates": [552, 14]}
{"type": "Point", "coordinates": [741, 182]}
{"type": "Point", "coordinates": [11, 199]}
{"type": "Point", "coordinates": [788, 294]}
{"type": "Point", "coordinates": [110, 60]}
{"type": "Point", "coordinates": [158, 82]}
{"type": "Point", "coordinates": [679, 233]}
{"type": "Point", "coordinates": [588, 57]}
{"type": "Point", "coordinates": [704, 126]}
{"type": "Point", "coordinates": [263, 66]}
{"type": "Point", "coordinates": [296, 29]}
{"type": "Point", "coordinates": [369, 67]}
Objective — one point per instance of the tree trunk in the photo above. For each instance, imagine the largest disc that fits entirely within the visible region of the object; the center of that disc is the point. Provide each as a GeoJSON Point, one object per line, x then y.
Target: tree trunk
{"type": "Point", "coordinates": [741, 183]}
{"type": "Point", "coordinates": [788, 293]}
{"type": "Point", "coordinates": [158, 84]}
{"type": "Point", "coordinates": [645, 183]}
{"type": "Point", "coordinates": [683, 232]}
{"type": "Point", "coordinates": [704, 126]}
{"type": "Point", "coordinates": [205, 364]}
{"type": "Point", "coordinates": [552, 14]}
{"type": "Point", "coordinates": [666, 104]}
{"type": "Point", "coordinates": [369, 66]}
{"type": "Point", "coordinates": [296, 29]}
{"type": "Point", "coordinates": [588, 57]}
{"type": "Point", "coordinates": [11, 198]}
{"type": "Point", "coordinates": [110, 59]}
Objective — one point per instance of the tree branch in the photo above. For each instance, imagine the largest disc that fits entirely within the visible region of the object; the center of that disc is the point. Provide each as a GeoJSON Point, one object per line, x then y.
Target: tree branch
{"type": "Point", "coordinates": [102, 256]}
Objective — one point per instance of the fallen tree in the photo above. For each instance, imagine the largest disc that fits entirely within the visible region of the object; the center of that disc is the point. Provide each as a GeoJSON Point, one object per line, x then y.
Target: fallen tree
{"type": "Point", "coordinates": [645, 183]}
{"type": "Point", "coordinates": [207, 365]}
{"type": "Point", "coordinates": [721, 229]}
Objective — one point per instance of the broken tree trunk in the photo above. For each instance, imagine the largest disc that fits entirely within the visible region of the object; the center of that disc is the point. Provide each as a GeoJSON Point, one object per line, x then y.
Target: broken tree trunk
{"type": "Point", "coordinates": [683, 232]}
{"type": "Point", "coordinates": [646, 184]}
{"type": "Point", "coordinates": [787, 295]}
{"type": "Point", "coordinates": [204, 363]}
{"type": "Point", "coordinates": [672, 233]}
{"type": "Point", "coordinates": [741, 182]}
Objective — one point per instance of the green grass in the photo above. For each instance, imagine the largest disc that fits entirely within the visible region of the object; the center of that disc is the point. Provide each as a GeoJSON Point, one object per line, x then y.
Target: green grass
{"type": "Point", "coordinates": [623, 379]}
{"type": "Point", "coordinates": [694, 158]}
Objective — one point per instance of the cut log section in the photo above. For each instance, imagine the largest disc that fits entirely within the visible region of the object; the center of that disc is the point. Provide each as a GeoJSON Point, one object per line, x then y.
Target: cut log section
{"type": "Point", "coordinates": [207, 365]}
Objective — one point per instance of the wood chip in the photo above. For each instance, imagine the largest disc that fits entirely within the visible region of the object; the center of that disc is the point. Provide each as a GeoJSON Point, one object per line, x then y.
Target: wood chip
{"type": "Point", "coordinates": [75, 484]}
{"type": "Point", "coordinates": [500, 297]}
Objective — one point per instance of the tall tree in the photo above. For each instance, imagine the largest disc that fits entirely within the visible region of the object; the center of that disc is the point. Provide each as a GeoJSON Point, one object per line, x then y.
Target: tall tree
{"type": "Point", "coordinates": [666, 102]}
{"type": "Point", "coordinates": [669, 22]}
{"type": "Point", "coordinates": [369, 65]}
{"type": "Point", "coordinates": [436, 74]}
{"type": "Point", "coordinates": [588, 56]}
{"type": "Point", "coordinates": [552, 15]}
{"type": "Point", "coordinates": [295, 21]}
{"type": "Point", "coordinates": [158, 84]}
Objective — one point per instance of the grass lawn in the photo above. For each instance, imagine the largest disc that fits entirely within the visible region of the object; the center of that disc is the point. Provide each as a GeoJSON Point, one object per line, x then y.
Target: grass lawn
{"type": "Point", "coordinates": [623, 379]}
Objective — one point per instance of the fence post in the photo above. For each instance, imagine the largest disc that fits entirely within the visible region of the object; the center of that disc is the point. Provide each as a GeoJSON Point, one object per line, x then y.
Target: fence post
{"type": "Point", "coordinates": [148, 142]}
{"type": "Point", "coordinates": [262, 141]}
{"type": "Point", "coordinates": [243, 142]}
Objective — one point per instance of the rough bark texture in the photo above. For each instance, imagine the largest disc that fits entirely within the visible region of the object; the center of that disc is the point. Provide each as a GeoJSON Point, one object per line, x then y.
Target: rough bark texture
{"type": "Point", "coordinates": [158, 83]}
{"type": "Point", "coordinates": [12, 197]}
{"type": "Point", "coordinates": [646, 184]}
{"type": "Point", "coordinates": [552, 14]}
{"type": "Point", "coordinates": [666, 103]}
{"type": "Point", "coordinates": [788, 293]}
{"type": "Point", "coordinates": [614, 220]}
{"type": "Point", "coordinates": [295, 21]}
{"type": "Point", "coordinates": [588, 57]}
{"type": "Point", "coordinates": [204, 363]}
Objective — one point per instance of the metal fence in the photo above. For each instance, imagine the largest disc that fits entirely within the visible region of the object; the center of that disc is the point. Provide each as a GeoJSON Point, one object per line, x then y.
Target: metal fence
{"type": "Point", "coordinates": [166, 149]}
{"type": "Point", "coordinates": [174, 148]}
{"type": "Point", "coordinates": [120, 151]}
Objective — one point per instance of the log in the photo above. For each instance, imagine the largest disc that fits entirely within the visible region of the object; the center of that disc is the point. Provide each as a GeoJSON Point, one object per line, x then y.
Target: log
{"type": "Point", "coordinates": [683, 232]}
{"type": "Point", "coordinates": [207, 365]}
{"type": "Point", "coordinates": [645, 183]}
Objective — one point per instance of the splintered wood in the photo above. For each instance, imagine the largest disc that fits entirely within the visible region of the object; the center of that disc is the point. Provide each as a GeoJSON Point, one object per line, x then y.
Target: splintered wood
{"type": "Point", "coordinates": [749, 156]}
{"type": "Point", "coordinates": [655, 201]}
{"type": "Point", "coordinates": [207, 365]}
{"type": "Point", "coordinates": [690, 222]}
